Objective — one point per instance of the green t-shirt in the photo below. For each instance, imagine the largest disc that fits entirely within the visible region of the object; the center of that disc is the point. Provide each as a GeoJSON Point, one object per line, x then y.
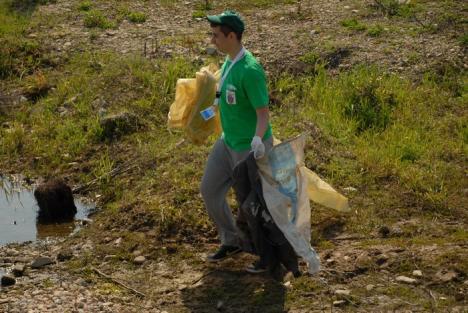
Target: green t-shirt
{"type": "Point", "coordinates": [244, 90]}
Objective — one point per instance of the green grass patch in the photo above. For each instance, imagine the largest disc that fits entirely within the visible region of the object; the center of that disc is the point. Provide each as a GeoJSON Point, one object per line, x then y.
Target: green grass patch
{"type": "Point", "coordinates": [375, 30]}
{"type": "Point", "coordinates": [137, 17]}
{"type": "Point", "coordinates": [96, 19]}
{"type": "Point", "coordinates": [353, 24]}
{"type": "Point", "coordinates": [85, 5]}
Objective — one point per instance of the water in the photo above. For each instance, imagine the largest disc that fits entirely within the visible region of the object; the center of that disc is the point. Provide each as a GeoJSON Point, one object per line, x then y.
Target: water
{"type": "Point", "coordinates": [18, 211]}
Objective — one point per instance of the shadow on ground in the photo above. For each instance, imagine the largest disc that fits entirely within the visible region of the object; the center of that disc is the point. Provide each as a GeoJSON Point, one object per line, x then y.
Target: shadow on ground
{"type": "Point", "coordinates": [234, 292]}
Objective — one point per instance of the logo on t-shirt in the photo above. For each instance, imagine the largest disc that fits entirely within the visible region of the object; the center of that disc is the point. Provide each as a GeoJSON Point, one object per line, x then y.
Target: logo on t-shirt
{"type": "Point", "coordinates": [231, 94]}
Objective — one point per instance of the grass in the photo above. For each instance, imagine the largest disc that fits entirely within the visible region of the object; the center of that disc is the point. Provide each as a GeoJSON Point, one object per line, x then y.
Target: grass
{"type": "Point", "coordinates": [353, 24]}
{"type": "Point", "coordinates": [96, 19]}
{"type": "Point", "coordinates": [137, 17]}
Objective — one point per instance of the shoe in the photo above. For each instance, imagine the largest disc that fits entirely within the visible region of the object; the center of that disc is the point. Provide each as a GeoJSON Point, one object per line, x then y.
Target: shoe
{"type": "Point", "coordinates": [223, 252]}
{"type": "Point", "coordinates": [256, 268]}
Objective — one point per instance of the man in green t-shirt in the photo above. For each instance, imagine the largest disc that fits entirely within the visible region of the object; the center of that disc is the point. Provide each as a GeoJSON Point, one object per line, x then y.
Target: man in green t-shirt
{"type": "Point", "coordinates": [242, 99]}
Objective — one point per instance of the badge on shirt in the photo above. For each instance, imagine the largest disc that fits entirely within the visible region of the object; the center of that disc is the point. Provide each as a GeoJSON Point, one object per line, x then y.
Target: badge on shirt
{"type": "Point", "coordinates": [231, 94]}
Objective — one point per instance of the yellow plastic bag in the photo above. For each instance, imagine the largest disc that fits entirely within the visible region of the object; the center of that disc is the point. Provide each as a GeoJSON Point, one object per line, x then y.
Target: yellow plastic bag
{"type": "Point", "coordinates": [192, 96]}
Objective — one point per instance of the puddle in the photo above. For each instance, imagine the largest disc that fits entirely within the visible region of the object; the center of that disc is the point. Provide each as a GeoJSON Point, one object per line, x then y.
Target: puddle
{"type": "Point", "coordinates": [18, 211]}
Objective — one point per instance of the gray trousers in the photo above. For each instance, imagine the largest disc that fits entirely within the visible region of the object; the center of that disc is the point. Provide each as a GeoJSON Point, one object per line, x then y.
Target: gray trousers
{"type": "Point", "coordinates": [216, 182]}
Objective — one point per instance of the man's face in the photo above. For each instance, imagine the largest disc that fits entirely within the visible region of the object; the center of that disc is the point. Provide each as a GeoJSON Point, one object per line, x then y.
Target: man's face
{"type": "Point", "coordinates": [221, 41]}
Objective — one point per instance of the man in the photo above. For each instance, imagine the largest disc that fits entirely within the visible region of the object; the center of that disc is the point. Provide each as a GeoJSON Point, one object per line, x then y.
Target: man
{"type": "Point", "coordinates": [242, 100]}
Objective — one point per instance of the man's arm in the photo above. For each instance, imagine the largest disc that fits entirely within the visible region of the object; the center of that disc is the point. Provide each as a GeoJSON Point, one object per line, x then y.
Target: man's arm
{"type": "Point", "coordinates": [263, 116]}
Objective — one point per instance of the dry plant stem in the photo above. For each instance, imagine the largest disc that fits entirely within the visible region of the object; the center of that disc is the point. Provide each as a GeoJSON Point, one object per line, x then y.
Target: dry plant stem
{"type": "Point", "coordinates": [119, 283]}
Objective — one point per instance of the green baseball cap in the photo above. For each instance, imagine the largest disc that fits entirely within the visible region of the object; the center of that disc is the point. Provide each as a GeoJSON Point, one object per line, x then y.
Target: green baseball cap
{"type": "Point", "coordinates": [228, 18]}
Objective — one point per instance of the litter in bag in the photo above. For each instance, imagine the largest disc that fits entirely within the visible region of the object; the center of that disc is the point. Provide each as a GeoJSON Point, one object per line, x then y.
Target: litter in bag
{"type": "Point", "coordinates": [194, 95]}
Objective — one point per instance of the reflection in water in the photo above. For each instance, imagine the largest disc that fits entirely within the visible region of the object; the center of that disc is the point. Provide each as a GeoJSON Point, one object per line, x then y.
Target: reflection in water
{"type": "Point", "coordinates": [18, 211]}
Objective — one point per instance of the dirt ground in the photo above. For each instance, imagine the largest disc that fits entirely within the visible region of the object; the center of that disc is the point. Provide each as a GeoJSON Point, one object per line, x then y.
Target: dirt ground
{"type": "Point", "coordinates": [104, 269]}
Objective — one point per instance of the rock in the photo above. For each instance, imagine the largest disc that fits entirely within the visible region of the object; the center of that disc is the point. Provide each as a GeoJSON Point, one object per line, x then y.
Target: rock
{"type": "Point", "coordinates": [363, 261]}
{"type": "Point", "coordinates": [64, 255]}
{"type": "Point", "coordinates": [406, 280]}
{"type": "Point", "coordinates": [446, 275]}
{"type": "Point", "coordinates": [114, 126]}
{"type": "Point", "coordinates": [313, 32]}
{"type": "Point", "coordinates": [350, 189]}
{"type": "Point", "coordinates": [417, 273]}
{"type": "Point", "coordinates": [18, 270]}
{"type": "Point", "coordinates": [287, 284]}
{"type": "Point", "coordinates": [109, 257]}
{"type": "Point", "coordinates": [137, 253]}
{"type": "Point", "coordinates": [339, 302]}
{"type": "Point", "coordinates": [384, 231]}
{"type": "Point", "coordinates": [139, 260]}
{"type": "Point", "coordinates": [342, 292]}
{"type": "Point", "coordinates": [41, 261]}
{"type": "Point", "coordinates": [382, 259]}
{"type": "Point", "coordinates": [219, 305]}
{"type": "Point", "coordinates": [55, 201]}
{"type": "Point", "coordinates": [211, 51]}
{"type": "Point", "coordinates": [8, 280]}
{"type": "Point", "coordinates": [370, 287]}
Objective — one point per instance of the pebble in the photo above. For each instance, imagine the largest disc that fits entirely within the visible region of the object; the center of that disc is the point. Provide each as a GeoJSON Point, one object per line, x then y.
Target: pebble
{"type": "Point", "coordinates": [406, 280]}
{"type": "Point", "coordinates": [8, 280]}
{"type": "Point", "coordinates": [370, 287]}
{"type": "Point", "coordinates": [41, 261]}
{"type": "Point", "coordinates": [18, 270]}
{"type": "Point", "coordinates": [139, 260]}
{"type": "Point", "coordinates": [417, 273]}
{"type": "Point", "coordinates": [342, 292]}
{"type": "Point", "coordinates": [339, 302]}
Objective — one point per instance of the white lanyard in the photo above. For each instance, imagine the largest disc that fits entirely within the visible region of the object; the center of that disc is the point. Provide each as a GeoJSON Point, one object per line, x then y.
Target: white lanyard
{"type": "Point", "coordinates": [226, 72]}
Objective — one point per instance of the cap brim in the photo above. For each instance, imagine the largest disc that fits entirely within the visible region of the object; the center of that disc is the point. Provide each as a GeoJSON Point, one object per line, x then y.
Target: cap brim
{"type": "Point", "coordinates": [214, 19]}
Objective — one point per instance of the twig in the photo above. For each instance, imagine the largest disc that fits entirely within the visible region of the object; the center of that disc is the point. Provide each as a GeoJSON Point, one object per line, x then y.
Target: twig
{"type": "Point", "coordinates": [201, 277]}
{"type": "Point", "coordinates": [119, 283]}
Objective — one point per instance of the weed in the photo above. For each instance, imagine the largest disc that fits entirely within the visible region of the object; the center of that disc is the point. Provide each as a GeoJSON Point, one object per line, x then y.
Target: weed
{"type": "Point", "coordinates": [353, 24]}
{"type": "Point", "coordinates": [136, 17]}
{"type": "Point", "coordinates": [84, 5]}
{"type": "Point", "coordinates": [95, 18]}
{"type": "Point", "coordinates": [375, 31]}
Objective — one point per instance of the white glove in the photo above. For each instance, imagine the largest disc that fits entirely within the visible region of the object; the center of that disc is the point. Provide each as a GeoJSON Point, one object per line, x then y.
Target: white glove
{"type": "Point", "coordinates": [258, 147]}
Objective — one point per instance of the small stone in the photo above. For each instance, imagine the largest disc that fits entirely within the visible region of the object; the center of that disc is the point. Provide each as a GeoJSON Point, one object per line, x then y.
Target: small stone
{"type": "Point", "coordinates": [64, 255]}
{"type": "Point", "coordinates": [355, 11]}
{"type": "Point", "coordinates": [417, 273]}
{"type": "Point", "coordinates": [313, 32]}
{"type": "Point", "coordinates": [382, 259]}
{"type": "Point", "coordinates": [41, 261]}
{"type": "Point", "coordinates": [347, 7]}
{"type": "Point", "coordinates": [350, 189]}
{"type": "Point", "coordinates": [219, 305]}
{"type": "Point", "coordinates": [109, 257]}
{"type": "Point", "coordinates": [342, 292]}
{"type": "Point", "coordinates": [370, 287]}
{"type": "Point", "coordinates": [18, 270]}
{"type": "Point", "coordinates": [446, 275]}
{"type": "Point", "coordinates": [118, 241]}
{"type": "Point", "coordinates": [339, 302]}
{"type": "Point", "coordinates": [8, 280]}
{"type": "Point", "coordinates": [406, 280]}
{"type": "Point", "coordinates": [139, 260]}
{"type": "Point", "coordinates": [287, 284]}
{"type": "Point", "coordinates": [137, 253]}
